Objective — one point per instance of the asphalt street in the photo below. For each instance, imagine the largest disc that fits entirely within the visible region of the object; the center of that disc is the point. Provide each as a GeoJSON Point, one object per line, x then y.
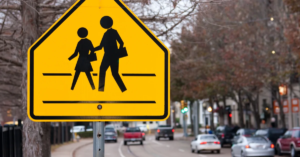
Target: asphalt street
{"type": "Point", "coordinates": [151, 148]}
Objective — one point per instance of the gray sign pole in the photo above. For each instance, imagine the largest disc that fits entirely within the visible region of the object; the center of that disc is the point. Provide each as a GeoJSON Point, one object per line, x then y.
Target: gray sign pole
{"type": "Point", "coordinates": [98, 139]}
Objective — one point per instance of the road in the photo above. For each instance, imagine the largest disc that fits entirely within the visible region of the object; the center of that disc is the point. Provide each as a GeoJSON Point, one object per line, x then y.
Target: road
{"type": "Point", "coordinates": [151, 148]}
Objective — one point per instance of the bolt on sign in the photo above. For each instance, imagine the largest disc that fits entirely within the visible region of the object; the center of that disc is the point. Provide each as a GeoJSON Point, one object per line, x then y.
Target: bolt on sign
{"type": "Point", "coordinates": [98, 62]}
{"type": "Point", "coordinates": [295, 105]}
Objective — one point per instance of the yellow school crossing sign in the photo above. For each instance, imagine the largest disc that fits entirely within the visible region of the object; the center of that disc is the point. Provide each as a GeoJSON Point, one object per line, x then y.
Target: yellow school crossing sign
{"type": "Point", "coordinates": [98, 62]}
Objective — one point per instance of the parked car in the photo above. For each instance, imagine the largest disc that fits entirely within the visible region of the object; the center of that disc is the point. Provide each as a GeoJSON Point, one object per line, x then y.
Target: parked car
{"type": "Point", "coordinates": [272, 134]}
{"type": "Point", "coordinates": [78, 128]}
{"type": "Point", "coordinates": [133, 134]}
{"type": "Point", "coordinates": [206, 142]}
{"type": "Point", "coordinates": [110, 134]}
{"type": "Point", "coordinates": [225, 134]}
{"type": "Point", "coordinates": [252, 146]}
{"type": "Point", "coordinates": [164, 131]}
{"type": "Point", "coordinates": [243, 132]}
{"type": "Point", "coordinates": [289, 143]}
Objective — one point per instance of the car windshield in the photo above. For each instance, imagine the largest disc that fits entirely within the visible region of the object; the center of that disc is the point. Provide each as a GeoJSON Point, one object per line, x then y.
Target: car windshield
{"type": "Point", "coordinates": [220, 129]}
{"type": "Point", "coordinates": [277, 131]}
{"type": "Point", "coordinates": [133, 130]}
{"type": "Point", "coordinates": [257, 140]}
{"type": "Point", "coordinates": [261, 132]}
{"type": "Point", "coordinates": [109, 130]}
{"type": "Point", "coordinates": [208, 137]}
{"type": "Point", "coordinates": [249, 131]}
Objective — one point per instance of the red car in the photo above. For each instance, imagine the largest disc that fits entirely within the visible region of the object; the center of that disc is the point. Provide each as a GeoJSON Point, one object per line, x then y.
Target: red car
{"type": "Point", "coordinates": [133, 134]}
{"type": "Point", "coordinates": [289, 143]}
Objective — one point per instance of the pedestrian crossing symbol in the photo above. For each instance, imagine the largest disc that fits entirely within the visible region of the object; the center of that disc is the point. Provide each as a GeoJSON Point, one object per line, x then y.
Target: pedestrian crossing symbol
{"type": "Point", "coordinates": [98, 62]}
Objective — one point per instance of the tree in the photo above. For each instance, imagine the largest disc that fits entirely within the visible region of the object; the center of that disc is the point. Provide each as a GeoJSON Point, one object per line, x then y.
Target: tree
{"type": "Point", "coordinates": [22, 22]}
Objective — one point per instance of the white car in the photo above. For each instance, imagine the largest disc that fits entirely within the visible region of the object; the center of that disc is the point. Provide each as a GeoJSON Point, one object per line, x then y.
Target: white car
{"type": "Point", "coordinates": [206, 142]}
{"type": "Point", "coordinates": [142, 127]}
{"type": "Point", "coordinates": [79, 128]}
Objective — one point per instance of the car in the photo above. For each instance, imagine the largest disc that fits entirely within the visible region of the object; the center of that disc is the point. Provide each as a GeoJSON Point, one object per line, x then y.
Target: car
{"type": "Point", "coordinates": [289, 143]}
{"type": "Point", "coordinates": [78, 128]}
{"type": "Point", "coordinates": [252, 146]}
{"type": "Point", "coordinates": [225, 134]}
{"type": "Point", "coordinates": [273, 134]}
{"type": "Point", "coordinates": [142, 127]}
{"type": "Point", "coordinates": [110, 134]}
{"type": "Point", "coordinates": [243, 132]}
{"type": "Point", "coordinates": [133, 134]}
{"type": "Point", "coordinates": [206, 142]}
{"type": "Point", "coordinates": [164, 131]}
{"type": "Point", "coordinates": [89, 128]}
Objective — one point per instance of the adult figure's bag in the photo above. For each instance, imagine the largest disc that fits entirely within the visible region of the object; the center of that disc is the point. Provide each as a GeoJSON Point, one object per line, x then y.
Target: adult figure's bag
{"type": "Point", "coordinates": [122, 52]}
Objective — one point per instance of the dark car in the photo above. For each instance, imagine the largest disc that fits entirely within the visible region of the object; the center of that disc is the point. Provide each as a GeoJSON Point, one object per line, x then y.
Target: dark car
{"type": "Point", "coordinates": [226, 133]}
{"type": "Point", "coordinates": [272, 134]}
{"type": "Point", "coordinates": [110, 134]}
{"type": "Point", "coordinates": [243, 132]}
{"type": "Point", "coordinates": [164, 131]}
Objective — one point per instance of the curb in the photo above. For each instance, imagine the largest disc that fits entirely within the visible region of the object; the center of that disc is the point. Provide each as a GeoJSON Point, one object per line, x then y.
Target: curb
{"type": "Point", "coordinates": [77, 148]}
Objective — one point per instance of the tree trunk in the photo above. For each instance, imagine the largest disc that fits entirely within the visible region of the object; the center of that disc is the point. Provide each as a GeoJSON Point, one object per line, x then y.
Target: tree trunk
{"type": "Point", "coordinates": [220, 113]}
{"type": "Point", "coordinates": [191, 116]}
{"type": "Point", "coordinates": [36, 136]}
{"type": "Point", "coordinates": [255, 109]}
{"type": "Point", "coordinates": [282, 116]}
{"type": "Point", "coordinates": [211, 104]}
{"type": "Point", "coordinates": [241, 111]}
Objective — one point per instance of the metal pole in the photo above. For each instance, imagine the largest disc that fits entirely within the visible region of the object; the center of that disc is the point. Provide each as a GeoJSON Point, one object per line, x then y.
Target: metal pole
{"type": "Point", "coordinates": [98, 139]}
{"type": "Point", "coordinates": [184, 126]}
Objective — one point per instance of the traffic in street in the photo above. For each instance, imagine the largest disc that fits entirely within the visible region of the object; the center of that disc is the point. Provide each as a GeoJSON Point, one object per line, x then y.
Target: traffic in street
{"type": "Point", "coordinates": [179, 147]}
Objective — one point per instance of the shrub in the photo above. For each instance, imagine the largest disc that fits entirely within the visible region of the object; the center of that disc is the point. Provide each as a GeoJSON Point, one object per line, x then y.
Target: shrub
{"type": "Point", "coordinates": [86, 134]}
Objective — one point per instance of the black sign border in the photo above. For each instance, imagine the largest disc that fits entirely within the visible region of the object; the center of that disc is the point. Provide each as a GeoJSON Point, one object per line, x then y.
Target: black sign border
{"type": "Point", "coordinates": [61, 118]}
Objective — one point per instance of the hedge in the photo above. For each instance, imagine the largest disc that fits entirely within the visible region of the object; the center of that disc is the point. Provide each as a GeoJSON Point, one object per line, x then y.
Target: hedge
{"type": "Point", "coordinates": [85, 134]}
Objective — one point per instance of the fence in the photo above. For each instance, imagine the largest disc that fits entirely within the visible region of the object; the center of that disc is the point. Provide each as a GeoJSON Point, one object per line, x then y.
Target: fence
{"type": "Point", "coordinates": [11, 139]}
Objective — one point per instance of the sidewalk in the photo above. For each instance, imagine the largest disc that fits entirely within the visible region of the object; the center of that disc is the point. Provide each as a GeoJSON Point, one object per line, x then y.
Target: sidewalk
{"type": "Point", "coordinates": [68, 149]}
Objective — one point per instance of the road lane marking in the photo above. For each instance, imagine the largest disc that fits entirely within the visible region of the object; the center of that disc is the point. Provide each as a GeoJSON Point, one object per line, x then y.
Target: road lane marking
{"type": "Point", "coordinates": [120, 152]}
{"type": "Point", "coordinates": [156, 142]}
{"type": "Point", "coordinates": [181, 150]}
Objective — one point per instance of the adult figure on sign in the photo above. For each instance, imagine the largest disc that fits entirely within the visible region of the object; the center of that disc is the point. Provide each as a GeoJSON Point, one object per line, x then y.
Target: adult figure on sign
{"type": "Point", "coordinates": [84, 46]}
{"type": "Point", "coordinates": [111, 55]}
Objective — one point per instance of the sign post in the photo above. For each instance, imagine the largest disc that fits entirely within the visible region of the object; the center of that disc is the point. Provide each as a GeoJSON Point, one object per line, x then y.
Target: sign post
{"type": "Point", "coordinates": [98, 139]}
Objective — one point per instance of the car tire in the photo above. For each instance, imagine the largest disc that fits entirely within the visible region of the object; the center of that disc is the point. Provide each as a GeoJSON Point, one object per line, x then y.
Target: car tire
{"type": "Point", "coordinates": [197, 151]}
{"type": "Point", "coordinates": [212, 151]}
{"type": "Point", "coordinates": [192, 150]}
{"type": "Point", "coordinates": [278, 150]}
{"type": "Point", "coordinates": [144, 139]}
{"type": "Point", "coordinates": [157, 138]}
{"type": "Point", "coordinates": [218, 151]}
{"type": "Point", "coordinates": [116, 141]}
{"type": "Point", "coordinates": [242, 155]}
{"type": "Point", "coordinates": [171, 138]}
{"type": "Point", "coordinates": [141, 142]}
{"type": "Point", "coordinates": [293, 152]}
{"type": "Point", "coordinates": [125, 143]}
